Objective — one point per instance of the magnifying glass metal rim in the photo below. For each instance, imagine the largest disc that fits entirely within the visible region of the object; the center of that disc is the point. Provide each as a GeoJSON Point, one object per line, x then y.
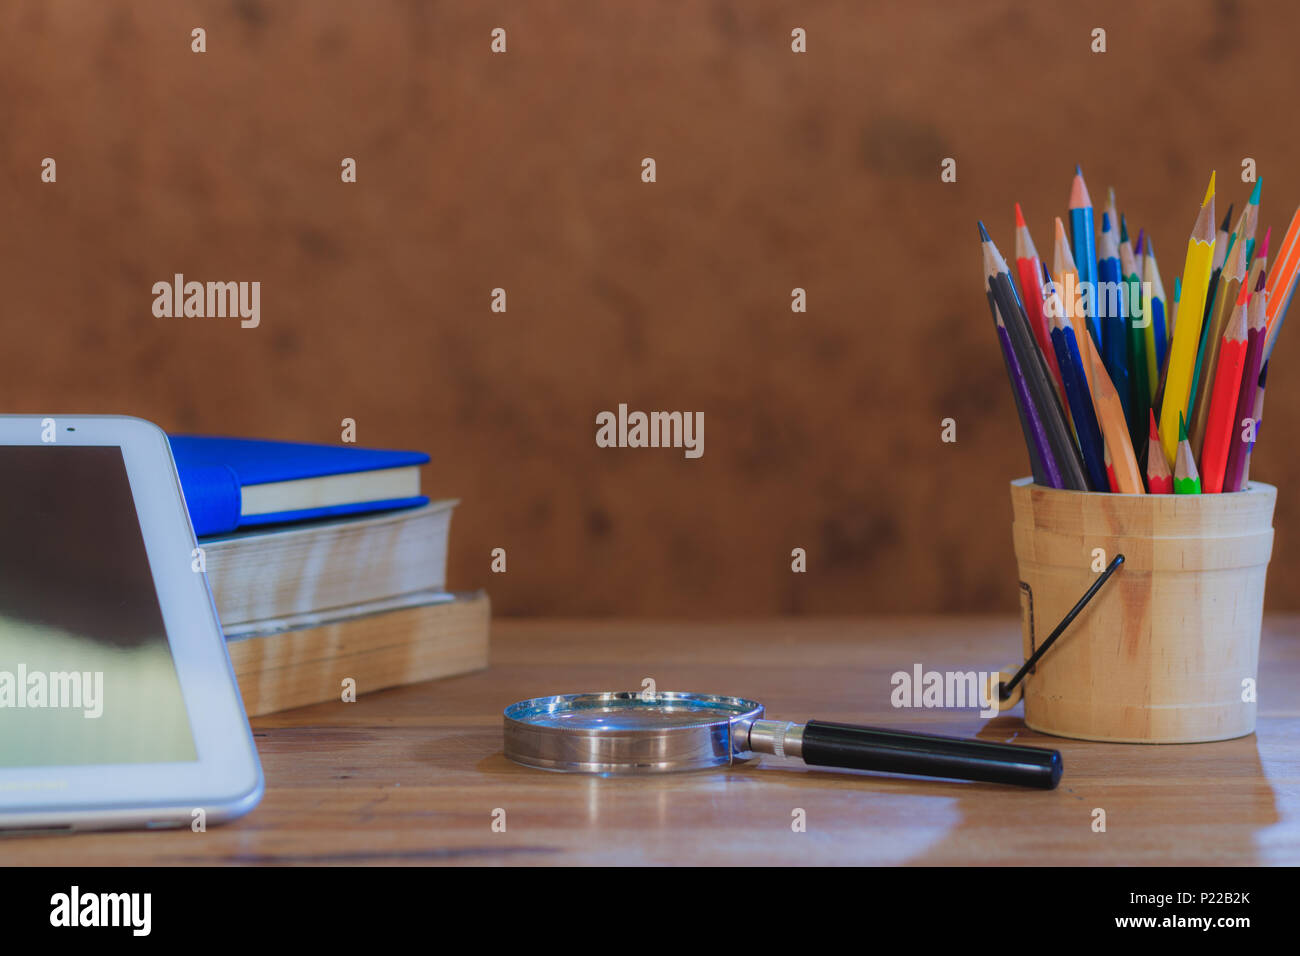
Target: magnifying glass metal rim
{"type": "Point", "coordinates": [535, 735]}
{"type": "Point", "coordinates": [627, 733]}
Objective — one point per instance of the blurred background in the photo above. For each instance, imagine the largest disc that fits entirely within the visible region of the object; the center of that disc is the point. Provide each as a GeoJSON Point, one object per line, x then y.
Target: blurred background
{"type": "Point", "coordinates": [523, 171]}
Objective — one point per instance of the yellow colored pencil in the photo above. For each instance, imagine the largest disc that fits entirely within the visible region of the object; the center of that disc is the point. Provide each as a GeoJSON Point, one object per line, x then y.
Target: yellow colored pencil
{"type": "Point", "coordinates": [1231, 281]}
{"type": "Point", "coordinates": [1191, 311]}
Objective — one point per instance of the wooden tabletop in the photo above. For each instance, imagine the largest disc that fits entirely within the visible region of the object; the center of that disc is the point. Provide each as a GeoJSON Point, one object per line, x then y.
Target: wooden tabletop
{"type": "Point", "coordinates": [414, 775]}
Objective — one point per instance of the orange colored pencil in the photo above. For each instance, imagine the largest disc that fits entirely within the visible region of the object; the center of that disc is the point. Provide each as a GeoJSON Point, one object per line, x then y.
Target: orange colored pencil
{"type": "Point", "coordinates": [1280, 281]}
{"type": "Point", "coordinates": [1223, 404]}
{"type": "Point", "coordinates": [1067, 278]}
{"type": "Point", "coordinates": [1160, 480]}
{"type": "Point", "coordinates": [1114, 428]}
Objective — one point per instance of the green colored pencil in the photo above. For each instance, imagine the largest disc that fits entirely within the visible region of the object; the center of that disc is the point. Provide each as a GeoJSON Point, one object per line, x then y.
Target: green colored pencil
{"type": "Point", "coordinates": [1187, 480]}
{"type": "Point", "coordinates": [1139, 383]}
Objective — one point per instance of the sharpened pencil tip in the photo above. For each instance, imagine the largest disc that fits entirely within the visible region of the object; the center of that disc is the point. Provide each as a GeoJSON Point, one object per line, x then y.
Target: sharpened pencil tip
{"type": "Point", "coordinates": [1209, 192]}
{"type": "Point", "coordinates": [1020, 217]}
{"type": "Point", "coordinates": [1123, 228]}
{"type": "Point", "coordinates": [1178, 288]}
{"type": "Point", "coordinates": [1254, 196]}
{"type": "Point", "coordinates": [1142, 234]}
{"type": "Point", "coordinates": [1226, 225]}
{"type": "Point", "coordinates": [1182, 428]}
{"type": "Point", "coordinates": [1263, 252]}
{"type": "Point", "coordinates": [1078, 170]}
{"type": "Point", "coordinates": [984, 233]}
{"type": "Point", "coordinates": [1105, 221]}
{"type": "Point", "coordinates": [1259, 283]}
{"type": "Point", "coordinates": [1079, 198]}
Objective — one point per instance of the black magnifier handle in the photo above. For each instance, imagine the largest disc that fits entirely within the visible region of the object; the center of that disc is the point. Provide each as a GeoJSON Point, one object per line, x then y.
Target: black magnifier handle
{"type": "Point", "coordinates": [824, 744]}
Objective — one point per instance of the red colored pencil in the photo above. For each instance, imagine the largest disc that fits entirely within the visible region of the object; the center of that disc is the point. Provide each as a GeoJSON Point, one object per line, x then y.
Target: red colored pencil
{"type": "Point", "coordinates": [1030, 272]}
{"type": "Point", "coordinates": [1160, 480]}
{"type": "Point", "coordinates": [1223, 404]}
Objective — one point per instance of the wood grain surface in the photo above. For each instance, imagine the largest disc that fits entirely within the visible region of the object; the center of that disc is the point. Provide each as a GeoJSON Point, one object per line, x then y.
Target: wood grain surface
{"type": "Point", "coordinates": [413, 775]}
{"type": "Point", "coordinates": [522, 171]}
{"type": "Point", "coordinates": [1164, 654]}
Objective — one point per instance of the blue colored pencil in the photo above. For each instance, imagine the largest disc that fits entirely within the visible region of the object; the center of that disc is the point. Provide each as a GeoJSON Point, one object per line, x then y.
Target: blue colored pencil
{"type": "Point", "coordinates": [1083, 244]}
{"type": "Point", "coordinates": [1109, 295]}
{"type": "Point", "coordinates": [1066, 346]}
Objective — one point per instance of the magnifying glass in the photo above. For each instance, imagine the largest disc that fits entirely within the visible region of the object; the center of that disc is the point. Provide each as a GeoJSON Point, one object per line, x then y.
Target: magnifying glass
{"type": "Point", "coordinates": [644, 733]}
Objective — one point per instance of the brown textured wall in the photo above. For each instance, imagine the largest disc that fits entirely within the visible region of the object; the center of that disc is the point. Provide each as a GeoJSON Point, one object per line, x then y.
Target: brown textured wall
{"type": "Point", "coordinates": [775, 170]}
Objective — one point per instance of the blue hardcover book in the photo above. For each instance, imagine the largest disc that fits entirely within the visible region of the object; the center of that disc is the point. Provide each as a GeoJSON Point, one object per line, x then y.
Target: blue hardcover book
{"type": "Point", "coordinates": [232, 483]}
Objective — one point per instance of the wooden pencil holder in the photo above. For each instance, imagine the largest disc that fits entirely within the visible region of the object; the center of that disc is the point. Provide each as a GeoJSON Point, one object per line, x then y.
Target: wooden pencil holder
{"type": "Point", "coordinates": [1167, 651]}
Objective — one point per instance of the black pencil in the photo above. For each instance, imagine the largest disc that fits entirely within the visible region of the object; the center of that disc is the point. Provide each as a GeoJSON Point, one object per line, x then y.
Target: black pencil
{"type": "Point", "coordinates": [1033, 367]}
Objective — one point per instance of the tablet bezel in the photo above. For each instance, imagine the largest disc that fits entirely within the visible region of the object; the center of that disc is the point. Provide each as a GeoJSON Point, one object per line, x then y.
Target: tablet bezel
{"type": "Point", "coordinates": [226, 780]}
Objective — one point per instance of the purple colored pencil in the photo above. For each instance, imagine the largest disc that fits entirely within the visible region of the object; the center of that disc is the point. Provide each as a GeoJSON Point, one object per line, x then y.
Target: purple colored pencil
{"type": "Point", "coordinates": [1258, 415]}
{"type": "Point", "coordinates": [1033, 421]}
{"type": "Point", "coordinates": [1234, 476]}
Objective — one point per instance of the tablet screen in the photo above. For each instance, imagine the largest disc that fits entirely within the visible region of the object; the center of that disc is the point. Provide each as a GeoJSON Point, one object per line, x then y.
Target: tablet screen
{"type": "Point", "coordinates": [86, 673]}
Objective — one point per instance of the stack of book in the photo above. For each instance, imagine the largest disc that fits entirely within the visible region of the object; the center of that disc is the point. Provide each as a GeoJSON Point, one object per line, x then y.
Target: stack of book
{"type": "Point", "coordinates": [328, 569]}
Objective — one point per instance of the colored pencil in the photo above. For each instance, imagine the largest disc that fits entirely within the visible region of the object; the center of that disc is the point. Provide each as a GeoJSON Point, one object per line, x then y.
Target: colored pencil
{"type": "Point", "coordinates": [1243, 425]}
{"type": "Point", "coordinates": [1067, 282]}
{"type": "Point", "coordinates": [1259, 263]}
{"type": "Point", "coordinates": [1064, 465]}
{"type": "Point", "coordinates": [1160, 481]}
{"type": "Point", "coordinates": [1159, 400]}
{"type": "Point", "coordinates": [1112, 210]}
{"type": "Point", "coordinates": [1066, 345]}
{"type": "Point", "coordinates": [1252, 220]}
{"type": "Point", "coordinates": [1083, 239]}
{"type": "Point", "coordinates": [1029, 272]}
{"type": "Point", "coordinates": [1114, 429]}
{"type": "Point", "coordinates": [1282, 282]}
{"type": "Point", "coordinates": [1231, 287]}
{"type": "Point", "coordinates": [1137, 322]}
{"type": "Point", "coordinates": [1109, 310]}
{"type": "Point", "coordinates": [1173, 308]}
{"type": "Point", "coordinates": [1225, 386]}
{"type": "Point", "coordinates": [1221, 241]}
{"type": "Point", "coordinates": [1031, 425]}
{"type": "Point", "coordinates": [1288, 254]}
{"type": "Point", "coordinates": [1182, 355]}
{"type": "Point", "coordinates": [1153, 305]}
{"type": "Point", "coordinates": [1187, 480]}
{"type": "Point", "coordinates": [1117, 387]}
{"type": "Point", "coordinates": [1258, 416]}
{"type": "Point", "coordinates": [1042, 461]}
{"type": "Point", "coordinates": [1056, 420]}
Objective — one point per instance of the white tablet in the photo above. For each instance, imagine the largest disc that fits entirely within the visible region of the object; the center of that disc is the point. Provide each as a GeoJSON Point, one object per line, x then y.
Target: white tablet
{"type": "Point", "coordinates": [118, 704]}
